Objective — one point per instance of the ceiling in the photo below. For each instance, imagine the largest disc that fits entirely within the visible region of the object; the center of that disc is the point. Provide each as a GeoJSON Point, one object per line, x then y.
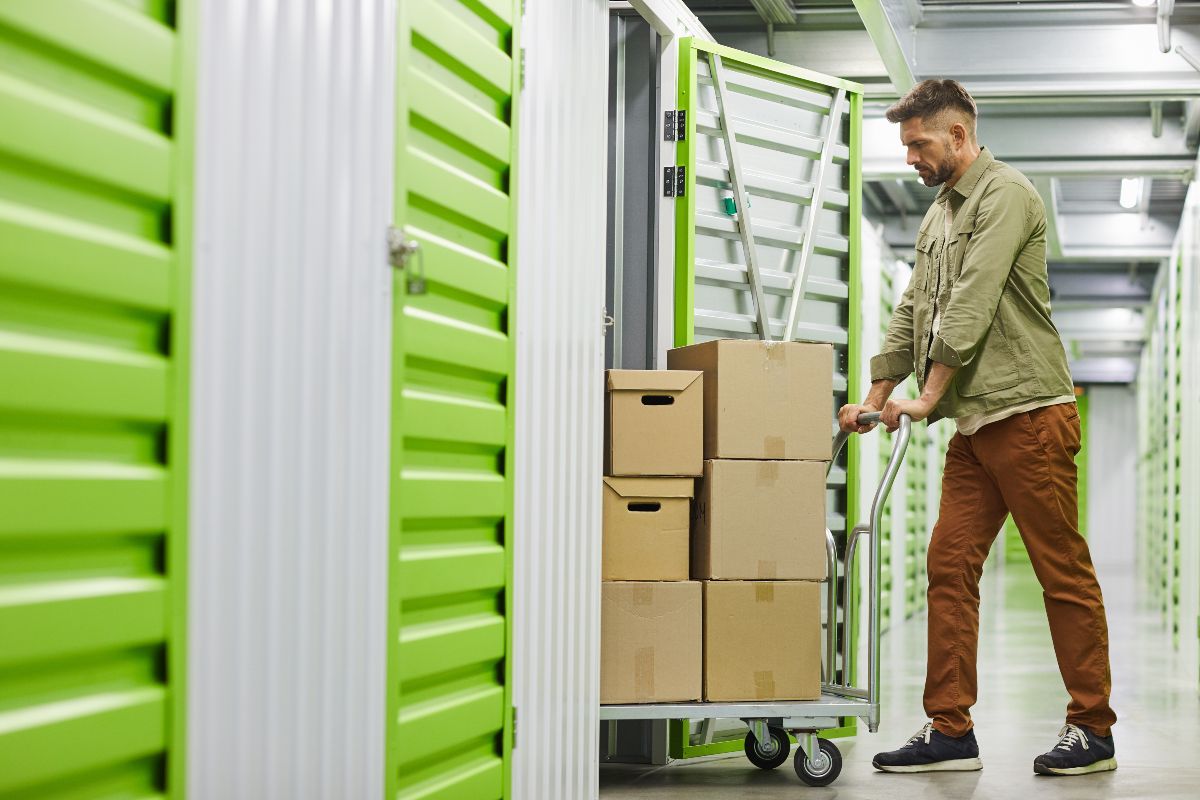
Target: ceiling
{"type": "Point", "coordinates": [1077, 94]}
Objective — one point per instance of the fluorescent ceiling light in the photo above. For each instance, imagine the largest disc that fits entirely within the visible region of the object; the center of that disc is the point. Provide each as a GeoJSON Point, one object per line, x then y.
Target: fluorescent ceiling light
{"type": "Point", "coordinates": [1144, 3]}
{"type": "Point", "coordinates": [1131, 191]}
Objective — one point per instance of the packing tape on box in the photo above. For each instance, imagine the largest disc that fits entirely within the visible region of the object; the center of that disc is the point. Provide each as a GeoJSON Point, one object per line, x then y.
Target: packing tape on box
{"type": "Point", "coordinates": [764, 685]}
{"type": "Point", "coordinates": [764, 592]}
{"type": "Point", "coordinates": [643, 672]}
{"type": "Point", "coordinates": [774, 447]}
{"type": "Point", "coordinates": [643, 595]}
{"type": "Point", "coordinates": [767, 473]}
{"type": "Point", "coordinates": [768, 570]}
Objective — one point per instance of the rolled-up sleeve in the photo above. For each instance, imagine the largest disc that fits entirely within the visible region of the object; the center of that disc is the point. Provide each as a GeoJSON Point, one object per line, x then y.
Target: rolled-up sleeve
{"type": "Point", "coordinates": [895, 362]}
{"type": "Point", "coordinates": [1001, 230]}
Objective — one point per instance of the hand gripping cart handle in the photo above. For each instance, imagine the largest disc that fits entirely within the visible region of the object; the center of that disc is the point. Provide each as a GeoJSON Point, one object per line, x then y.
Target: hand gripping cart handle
{"type": "Point", "coordinates": [817, 761]}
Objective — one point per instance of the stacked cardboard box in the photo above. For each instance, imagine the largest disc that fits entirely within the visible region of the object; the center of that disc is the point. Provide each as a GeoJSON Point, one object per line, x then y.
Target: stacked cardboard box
{"type": "Point", "coordinates": [758, 534]}
{"type": "Point", "coordinates": [651, 613]}
{"type": "Point", "coordinates": [753, 419]}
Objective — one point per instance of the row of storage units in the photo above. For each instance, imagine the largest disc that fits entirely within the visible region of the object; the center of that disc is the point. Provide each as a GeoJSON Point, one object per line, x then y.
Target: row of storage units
{"type": "Point", "coordinates": [1168, 460]}
{"type": "Point", "coordinates": [214, 564]}
{"type": "Point", "coordinates": [285, 495]}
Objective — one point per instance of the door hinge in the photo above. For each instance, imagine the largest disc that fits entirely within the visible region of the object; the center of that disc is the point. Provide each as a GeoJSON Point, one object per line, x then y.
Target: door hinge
{"type": "Point", "coordinates": [674, 181]}
{"type": "Point", "coordinates": [405, 254]}
{"type": "Point", "coordinates": [675, 125]}
{"type": "Point", "coordinates": [514, 727]}
{"type": "Point", "coordinates": [522, 67]}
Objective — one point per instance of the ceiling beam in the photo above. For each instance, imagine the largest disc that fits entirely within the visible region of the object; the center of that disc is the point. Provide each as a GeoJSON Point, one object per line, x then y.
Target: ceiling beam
{"type": "Point", "coordinates": [775, 12]}
{"type": "Point", "coordinates": [892, 29]}
{"type": "Point", "coordinates": [671, 18]}
{"type": "Point", "coordinates": [1113, 237]}
{"type": "Point", "coordinates": [1076, 62]}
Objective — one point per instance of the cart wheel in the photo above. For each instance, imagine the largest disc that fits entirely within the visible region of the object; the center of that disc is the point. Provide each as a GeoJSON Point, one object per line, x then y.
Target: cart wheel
{"type": "Point", "coordinates": [782, 748]}
{"type": "Point", "coordinates": [821, 770]}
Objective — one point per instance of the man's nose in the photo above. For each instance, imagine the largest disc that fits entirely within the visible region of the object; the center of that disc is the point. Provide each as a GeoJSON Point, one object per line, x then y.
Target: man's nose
{"type": "Point", "coordinates": [912, 158]}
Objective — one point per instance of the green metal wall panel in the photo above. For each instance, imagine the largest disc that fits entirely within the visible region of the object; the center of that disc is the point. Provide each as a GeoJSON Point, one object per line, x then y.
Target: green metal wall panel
{"type": "Point", "coordinates": [94, 285]}
{"type": "Point", "coordinates": [449, 721]}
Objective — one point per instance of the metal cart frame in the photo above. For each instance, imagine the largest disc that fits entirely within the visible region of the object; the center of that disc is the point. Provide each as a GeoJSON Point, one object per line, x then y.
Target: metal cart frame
{"type": "Point", "coordinates": [817, 761]}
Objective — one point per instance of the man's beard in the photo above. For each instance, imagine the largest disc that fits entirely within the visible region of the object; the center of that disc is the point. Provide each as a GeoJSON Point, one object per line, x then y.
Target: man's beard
{"type": "Point", "coordinates": [940, 175]}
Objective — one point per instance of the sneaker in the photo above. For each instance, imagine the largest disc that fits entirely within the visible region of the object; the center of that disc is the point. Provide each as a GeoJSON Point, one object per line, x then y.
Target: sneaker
{"type": "Point", "coordinates": [1078, 752]}
{"type": "Point", "coordinates": [930, 750]}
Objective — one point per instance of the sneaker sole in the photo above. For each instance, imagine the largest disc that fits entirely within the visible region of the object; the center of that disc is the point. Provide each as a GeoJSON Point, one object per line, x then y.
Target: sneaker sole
{"type": "Point", "coordinates": [953, 765]}
{"type": "Point", "coordinates": [1107, 765]}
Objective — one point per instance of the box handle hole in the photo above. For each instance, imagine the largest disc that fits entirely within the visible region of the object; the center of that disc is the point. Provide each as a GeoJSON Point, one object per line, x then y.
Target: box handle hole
{"type": "Point", "coordinates": [657, 400]}
{"type": "Point", "coordinates": [645, 507]}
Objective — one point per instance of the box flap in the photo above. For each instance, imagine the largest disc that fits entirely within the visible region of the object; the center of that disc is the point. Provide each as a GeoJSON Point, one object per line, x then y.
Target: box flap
{"type": "Point", "coordinates": [652, 487]}
{"type": "Point", "coordinates": [657, 380]}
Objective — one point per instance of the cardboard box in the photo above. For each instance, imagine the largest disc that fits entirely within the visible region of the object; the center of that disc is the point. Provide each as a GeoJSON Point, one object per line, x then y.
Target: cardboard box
{"type": "Point", "coordinates": [760, 520]}
{"type": "Point", "coordinates": [650, 642]}
{"type": "Point", "coordinates": [762, 640]}
{"type": "Point", "coordinates": [646, 523]}
{"type": "Point", "coordinates": [764, 400]}
{"type": "Point", "coordinates": [654, 423]}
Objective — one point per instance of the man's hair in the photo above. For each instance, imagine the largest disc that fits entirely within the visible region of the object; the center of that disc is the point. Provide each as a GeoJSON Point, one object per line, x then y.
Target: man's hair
{"type": "Point", "coordinates": [932, 100]}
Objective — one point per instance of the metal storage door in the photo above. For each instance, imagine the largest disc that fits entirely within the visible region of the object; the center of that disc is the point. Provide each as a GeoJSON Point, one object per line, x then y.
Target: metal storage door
{"type": "Point", "coordinates": [94, 284]}
{"type": "Point", "coordinates": [768, 177]}
{"type": "Point", "coordinates": [449, 719]}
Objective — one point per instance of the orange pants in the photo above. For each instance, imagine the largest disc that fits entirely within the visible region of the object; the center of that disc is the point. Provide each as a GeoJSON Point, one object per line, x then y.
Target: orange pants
{"type": "Point", "coordinates": [1024, 465]}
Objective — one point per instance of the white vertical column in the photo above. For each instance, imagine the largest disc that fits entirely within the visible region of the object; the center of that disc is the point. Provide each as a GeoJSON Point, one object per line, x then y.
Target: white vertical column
{"type": "Point", "coordinates": [561, 182]}
{"type": "Point", "coordinates": [290, 400]}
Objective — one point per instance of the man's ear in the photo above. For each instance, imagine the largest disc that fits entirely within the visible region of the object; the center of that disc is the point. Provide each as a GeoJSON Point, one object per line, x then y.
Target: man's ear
{"type": "Point", "coordinates": [958, 132]}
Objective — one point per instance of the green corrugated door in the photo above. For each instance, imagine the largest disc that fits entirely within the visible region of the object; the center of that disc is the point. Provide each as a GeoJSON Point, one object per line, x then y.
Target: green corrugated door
{"type": "Point", "coordinates": [93, 288]}
{"type": "Point", "coordinates": [450, 727]}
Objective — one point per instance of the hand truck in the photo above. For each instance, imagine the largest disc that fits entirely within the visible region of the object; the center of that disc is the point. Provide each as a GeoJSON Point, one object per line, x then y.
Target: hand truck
{"type": "Point", "coordinates": [818, 762]}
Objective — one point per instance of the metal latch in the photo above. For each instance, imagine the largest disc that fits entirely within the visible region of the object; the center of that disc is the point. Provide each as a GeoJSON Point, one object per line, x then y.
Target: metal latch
{"type": "Point", "coordinates": [401, 252]}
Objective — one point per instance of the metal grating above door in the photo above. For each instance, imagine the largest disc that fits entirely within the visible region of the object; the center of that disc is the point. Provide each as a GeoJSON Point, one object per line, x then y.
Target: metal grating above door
{"type": "Point", "coordinates": [769, 221]}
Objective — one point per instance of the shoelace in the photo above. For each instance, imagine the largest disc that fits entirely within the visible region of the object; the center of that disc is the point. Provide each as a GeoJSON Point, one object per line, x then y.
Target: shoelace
{"type": "Point", "coordinates": [924, 733]}
{"type": "Point", "coordinates": [1070, 735]}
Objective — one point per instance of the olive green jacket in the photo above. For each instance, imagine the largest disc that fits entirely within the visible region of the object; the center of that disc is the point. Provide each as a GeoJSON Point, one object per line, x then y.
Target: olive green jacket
{"type": "Point", "coordinates": [990, 284]}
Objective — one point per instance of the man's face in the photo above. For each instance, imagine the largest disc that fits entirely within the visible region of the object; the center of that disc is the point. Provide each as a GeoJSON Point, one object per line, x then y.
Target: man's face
{"type": "Point", "coordinates": [930, 150]}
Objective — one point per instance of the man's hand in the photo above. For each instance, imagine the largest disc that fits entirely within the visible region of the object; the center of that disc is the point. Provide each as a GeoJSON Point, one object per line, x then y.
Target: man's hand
{"type": "Point", "coordinates": [917, 409]}
{"type": "Point", "coordinates": [848, 418]}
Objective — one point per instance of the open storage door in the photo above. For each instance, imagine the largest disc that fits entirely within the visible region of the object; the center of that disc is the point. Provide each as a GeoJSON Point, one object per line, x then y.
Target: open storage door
{"type": "Point", "coordinates": [449, 721]}
{"type": "Point", "coordinates": [768, 183]}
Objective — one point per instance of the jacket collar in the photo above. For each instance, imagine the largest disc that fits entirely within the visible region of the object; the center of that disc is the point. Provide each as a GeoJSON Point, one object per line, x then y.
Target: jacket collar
{"type": "Point", "coordinates": [966, 184]}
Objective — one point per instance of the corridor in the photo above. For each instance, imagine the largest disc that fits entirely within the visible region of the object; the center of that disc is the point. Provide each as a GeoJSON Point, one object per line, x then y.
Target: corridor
{"type": "Point", "coordinates": [1020, 710]}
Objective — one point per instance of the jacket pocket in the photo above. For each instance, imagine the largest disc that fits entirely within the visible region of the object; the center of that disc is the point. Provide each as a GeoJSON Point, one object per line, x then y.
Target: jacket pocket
{"type": "Point", "coordinates": [994, 367]}
{"type": "Point", "coordinates": [958, 248]}
{"type": "Point", "coordinates": [926, 247]}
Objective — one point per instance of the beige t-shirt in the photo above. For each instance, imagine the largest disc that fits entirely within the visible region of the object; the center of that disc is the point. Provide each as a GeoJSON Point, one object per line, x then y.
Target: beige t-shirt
{"type": "Point", "coordinates": [971, 423]}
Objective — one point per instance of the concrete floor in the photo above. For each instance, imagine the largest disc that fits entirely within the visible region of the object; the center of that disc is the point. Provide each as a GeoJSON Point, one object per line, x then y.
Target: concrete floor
{"type": "Point", "coordinates": [1021, 707]}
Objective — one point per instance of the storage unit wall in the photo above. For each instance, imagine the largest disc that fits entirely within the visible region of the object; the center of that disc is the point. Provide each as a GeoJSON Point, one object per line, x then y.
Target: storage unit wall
{"type": "Point", "coordinates": [559, 400]}
{"type": "Point", "coordinates": [290, 414]}
{"type": "Point", "coordinates": [1168, 436]}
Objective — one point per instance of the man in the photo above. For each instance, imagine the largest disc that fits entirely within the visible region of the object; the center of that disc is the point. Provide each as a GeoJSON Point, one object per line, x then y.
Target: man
{"type": "Point", "coordinates": [974, 325]}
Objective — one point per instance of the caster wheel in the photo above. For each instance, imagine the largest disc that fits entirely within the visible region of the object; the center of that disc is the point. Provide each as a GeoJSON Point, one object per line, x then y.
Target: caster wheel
{"type": "Point", "coordinates": [778, 753]}
{"type": "Point", "coordinates": [823, 768]}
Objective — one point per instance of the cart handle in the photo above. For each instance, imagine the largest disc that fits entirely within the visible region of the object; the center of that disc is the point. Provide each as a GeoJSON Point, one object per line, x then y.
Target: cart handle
{"type": "Point", "coordinates": [871, 528]}
{"type": "Point", "coordinates": [865, 418]}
